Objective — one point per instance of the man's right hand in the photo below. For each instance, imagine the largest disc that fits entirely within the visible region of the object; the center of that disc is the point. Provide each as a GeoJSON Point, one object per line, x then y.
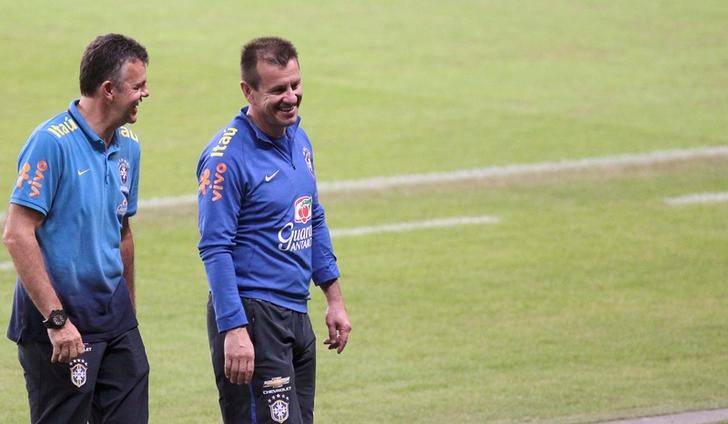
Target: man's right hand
{"type": "Point", "coordinates": [239, 356]}
{"type": "Point", "coordinates": [67, 343]}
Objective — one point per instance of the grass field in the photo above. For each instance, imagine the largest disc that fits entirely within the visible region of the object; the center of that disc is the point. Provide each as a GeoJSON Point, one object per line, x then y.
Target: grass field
{"type": "Point", "coordinates": [592, 299]}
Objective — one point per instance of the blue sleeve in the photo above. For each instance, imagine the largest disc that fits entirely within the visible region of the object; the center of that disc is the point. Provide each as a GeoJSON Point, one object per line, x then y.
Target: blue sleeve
{"type": "Point", "coordinates": [219, 199]}
{"type": "Point", "coordinates": [323, 262]}
{"type": "Point", "coordinates": [39, 171]}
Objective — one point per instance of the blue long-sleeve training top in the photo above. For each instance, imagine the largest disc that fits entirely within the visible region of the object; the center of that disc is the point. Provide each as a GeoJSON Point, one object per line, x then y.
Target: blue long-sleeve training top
{"type": "Point", "coordinates": [263, 233]}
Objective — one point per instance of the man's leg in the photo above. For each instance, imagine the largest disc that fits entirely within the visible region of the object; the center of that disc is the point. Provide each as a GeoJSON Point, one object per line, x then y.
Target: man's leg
{"type": "Point", "coordinates": [59, 392]}
{"type": "Point", "coordinates": [304, 363]}
{"type": "Point", "coordinates": [275, 383]}
{"type": "Point", "coordinates": [237, 404]}
{"type": "Point", "coordinates": [122, 386]}
{"type": "Point", "coordinates": [272, 397]}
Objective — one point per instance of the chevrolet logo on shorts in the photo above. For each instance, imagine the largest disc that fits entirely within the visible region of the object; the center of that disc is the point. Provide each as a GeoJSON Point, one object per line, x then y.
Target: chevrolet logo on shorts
{"type": "Point", "coordinates": [276, 382]}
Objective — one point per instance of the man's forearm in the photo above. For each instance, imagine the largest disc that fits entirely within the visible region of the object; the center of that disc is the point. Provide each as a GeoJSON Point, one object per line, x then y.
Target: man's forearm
{"type": "Point", "coordinates": [333, 294]}
{"type": "Point", "coordinates": [127, 257]}
{"type": "Point", "coordinates": [19, 238]}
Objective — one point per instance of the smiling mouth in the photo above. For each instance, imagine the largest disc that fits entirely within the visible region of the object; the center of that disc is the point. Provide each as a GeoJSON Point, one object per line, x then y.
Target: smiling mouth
{"type": "Point", "coordinates": [287, 108]}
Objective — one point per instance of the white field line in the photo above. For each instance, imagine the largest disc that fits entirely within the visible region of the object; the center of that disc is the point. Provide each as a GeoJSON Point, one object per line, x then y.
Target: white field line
{"type": "Point", "coordinates": [650, 158]}
{"type": "Point", "coordinates": [387, 228]}
{"type": "Point", "coordinates": [696, 417]}
{"type": "Point", "coordinates": [697, 198]}
{"type": "Point", "coordinates": [414, 225]}
{"type": "Point", "coordinates": [166, 202]}
{"type": "Point", "coordinates": [381, 183]}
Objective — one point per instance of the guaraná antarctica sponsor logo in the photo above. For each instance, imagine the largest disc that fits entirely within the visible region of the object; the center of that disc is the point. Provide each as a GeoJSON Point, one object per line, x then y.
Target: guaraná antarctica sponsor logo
{"type": "Point", "coordinates": [292, 240]}
{"type": "Point", "coordinates": [303, 208]}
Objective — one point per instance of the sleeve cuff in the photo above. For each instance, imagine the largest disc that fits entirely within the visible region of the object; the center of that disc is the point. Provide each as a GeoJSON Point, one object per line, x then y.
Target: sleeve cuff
{"type": "Point", "coordinates": [236, 320]}
{"type": "Point", "coordinates": [326, 274]}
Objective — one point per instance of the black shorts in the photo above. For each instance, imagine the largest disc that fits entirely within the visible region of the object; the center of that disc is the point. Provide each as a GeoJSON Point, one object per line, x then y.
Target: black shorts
{"type": "Point", "coordinates": [284, 378]}
{"type": "Point", "coordinates": [108, 383]}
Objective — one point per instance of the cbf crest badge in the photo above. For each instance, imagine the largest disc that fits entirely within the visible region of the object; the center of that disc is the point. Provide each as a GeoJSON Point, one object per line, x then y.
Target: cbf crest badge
{"type": "Point", "coordinates": [278, 405]}
{"type": "Point", "coordinates": [123, 171]}
{"type": "Point", "coordinates": [309, 163]}
{"type": "Point", "coordinates": [78, 367]}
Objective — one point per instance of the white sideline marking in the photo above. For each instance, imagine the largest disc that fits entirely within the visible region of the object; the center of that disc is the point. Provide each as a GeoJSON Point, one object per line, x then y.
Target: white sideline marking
{"type": "Point", "coordinates": [165, 202]}
{"type": "Point", "coordinates": [388, 228]}
{"type": "Point", "coordinates": [380, 183]}
{"type": "Point", "coordinates": [414, 225]}
{"type": "Point", "coordinates": [697, 198]}
{"type": "Point", "coordinates": [696, 417]}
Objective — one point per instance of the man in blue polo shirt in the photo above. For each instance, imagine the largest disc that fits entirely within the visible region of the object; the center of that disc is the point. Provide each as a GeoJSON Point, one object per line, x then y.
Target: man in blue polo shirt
{"type": "Point", "coordinates": [67, 231]}
{"type": "Point", "coordinates": [263, 239]}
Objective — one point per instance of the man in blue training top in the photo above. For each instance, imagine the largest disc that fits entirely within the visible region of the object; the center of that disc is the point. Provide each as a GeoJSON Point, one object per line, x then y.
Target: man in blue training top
{"type": "Point", "coordinates": [263, 239]}
{"type": "Point", "coordinates": [67, 231]}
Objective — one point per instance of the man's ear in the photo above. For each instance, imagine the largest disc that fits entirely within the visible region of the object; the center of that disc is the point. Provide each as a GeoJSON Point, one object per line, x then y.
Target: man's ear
{"type": "Point", "coordinates": [247, 91]}
{"type": "Point", "coordinates": [106, 89]}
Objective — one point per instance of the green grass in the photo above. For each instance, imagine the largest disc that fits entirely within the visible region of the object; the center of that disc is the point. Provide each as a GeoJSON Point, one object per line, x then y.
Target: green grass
{"type": "Point", "coordinates": [566, 304]}
{"type": "Point", "coordinates": [591, 300]}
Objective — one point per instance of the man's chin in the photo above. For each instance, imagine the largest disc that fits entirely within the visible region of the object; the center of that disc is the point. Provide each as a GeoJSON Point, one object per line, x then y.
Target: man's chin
{"type": "Point", "coordinates": [288, 117]}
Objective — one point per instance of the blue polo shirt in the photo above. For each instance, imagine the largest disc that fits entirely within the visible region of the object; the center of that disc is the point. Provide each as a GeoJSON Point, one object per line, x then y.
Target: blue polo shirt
{"type": "Point", "coordinates": [84, 190]}
{"type": "Point", "coordinates": [263, 230]}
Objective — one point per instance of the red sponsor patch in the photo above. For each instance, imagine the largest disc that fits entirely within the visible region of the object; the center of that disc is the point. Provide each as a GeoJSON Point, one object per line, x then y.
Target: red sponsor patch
{"type": "Point", "coordinates": [303, 207]}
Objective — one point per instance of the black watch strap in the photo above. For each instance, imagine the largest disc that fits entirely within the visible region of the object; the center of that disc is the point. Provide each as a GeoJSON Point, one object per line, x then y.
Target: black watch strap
{"type": "Point", "coordinates": [56, 319]}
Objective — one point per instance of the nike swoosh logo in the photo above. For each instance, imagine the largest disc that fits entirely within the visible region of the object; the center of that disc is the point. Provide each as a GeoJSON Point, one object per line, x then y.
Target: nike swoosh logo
{"type": "Point", "coordinates": [79, 172]}
{"type": "Point", "coordinates": [270, 177]}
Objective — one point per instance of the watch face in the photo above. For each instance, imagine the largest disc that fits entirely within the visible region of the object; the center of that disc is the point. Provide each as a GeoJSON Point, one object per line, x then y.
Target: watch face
{"type": "Point", "coordinates": [57, 319]}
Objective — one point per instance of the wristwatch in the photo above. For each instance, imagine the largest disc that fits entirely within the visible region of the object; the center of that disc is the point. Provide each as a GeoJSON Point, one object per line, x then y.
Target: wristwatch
{"type": "Point", "coordinates": [57, 319]}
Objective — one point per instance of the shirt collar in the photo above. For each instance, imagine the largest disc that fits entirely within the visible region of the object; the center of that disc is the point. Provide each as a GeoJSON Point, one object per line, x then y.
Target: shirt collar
{"type": "Point", "coordinates": [260, 135]}
{"type": "Point", "coordinates": [93, 138]}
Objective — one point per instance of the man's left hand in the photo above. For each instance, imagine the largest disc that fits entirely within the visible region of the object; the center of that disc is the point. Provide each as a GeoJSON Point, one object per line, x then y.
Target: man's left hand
{"type": "Point", "coordinates": [337, 320]}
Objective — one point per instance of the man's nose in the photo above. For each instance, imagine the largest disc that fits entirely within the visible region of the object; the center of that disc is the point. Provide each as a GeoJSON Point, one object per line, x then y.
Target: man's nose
{"type": "Point", "coordinates": [291, 95]}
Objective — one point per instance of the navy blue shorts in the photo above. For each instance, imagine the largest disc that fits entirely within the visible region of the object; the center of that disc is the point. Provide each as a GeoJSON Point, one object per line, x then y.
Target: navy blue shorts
{"type": "Point", "coordinates": [108, 383]}
{"type": "Point", "coordinates": [284, 379]}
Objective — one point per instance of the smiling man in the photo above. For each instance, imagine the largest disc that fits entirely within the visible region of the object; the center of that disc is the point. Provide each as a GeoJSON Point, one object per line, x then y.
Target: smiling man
{"type": "Point", "coordinates": [263, 239]}
{"type": "Point", "coordinates": [68, 232]}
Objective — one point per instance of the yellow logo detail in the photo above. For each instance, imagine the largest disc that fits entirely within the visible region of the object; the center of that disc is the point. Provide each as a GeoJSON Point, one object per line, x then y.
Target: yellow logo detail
{"type": "Point", "coordinates": [222, 144]}
{"type": "Point", "coordinates": [65, 127]}
{"type": "Point", "coordinates": [126, 132]}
